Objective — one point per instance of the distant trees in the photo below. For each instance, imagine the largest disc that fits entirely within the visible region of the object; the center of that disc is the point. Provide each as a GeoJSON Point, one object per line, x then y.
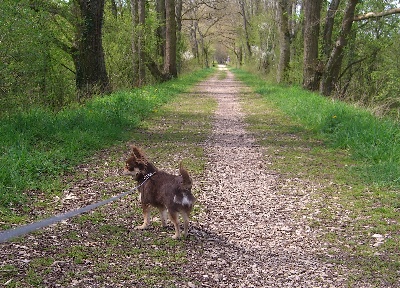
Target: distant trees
{"type": "Point", "coordinates": [208, 24]}
{"type": "Point", "coordinates": [138, 12]}
{"type": "Point", "coordinates": [31, 71]}
{"type": "Point", "coordinates": [67, 38]}
{"type": "Point", "coordinates": [160, 60]}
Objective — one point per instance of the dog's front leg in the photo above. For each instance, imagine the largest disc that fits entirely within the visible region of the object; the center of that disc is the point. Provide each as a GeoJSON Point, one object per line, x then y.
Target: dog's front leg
{"type": "Point", "coordinates": [146, 217]}
{"type": "Point", "coordinates": [185, 217]}
{"type": "Point", "coordinates": [175, 219]}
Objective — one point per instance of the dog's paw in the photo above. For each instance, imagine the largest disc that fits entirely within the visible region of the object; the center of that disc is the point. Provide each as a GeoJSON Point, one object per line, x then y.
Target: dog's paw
{"type": "Point", "coordinates": [141, 227]}
{"type": "Point", "coordinates": [176, 236]}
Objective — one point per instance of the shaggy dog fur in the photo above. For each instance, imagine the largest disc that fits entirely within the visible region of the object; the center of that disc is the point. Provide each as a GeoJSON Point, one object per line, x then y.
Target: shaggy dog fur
{"type": "Point", "coordinates": [167, 192]}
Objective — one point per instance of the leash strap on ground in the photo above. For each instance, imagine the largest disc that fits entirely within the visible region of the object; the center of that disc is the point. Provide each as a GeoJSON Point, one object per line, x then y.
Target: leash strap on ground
{"type": "Point", "coordinates": [19, 231]}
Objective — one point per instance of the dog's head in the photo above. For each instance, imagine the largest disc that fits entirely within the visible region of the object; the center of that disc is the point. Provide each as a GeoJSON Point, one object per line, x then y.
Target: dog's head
{"type": "Point", "coordinates": [137, 165]}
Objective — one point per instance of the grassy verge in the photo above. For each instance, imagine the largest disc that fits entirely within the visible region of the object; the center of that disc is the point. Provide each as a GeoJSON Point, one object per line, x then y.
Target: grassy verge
{"type": "Point", "coordinates": [39, 146]}
{"type": "Point", "coordinates": [345, 156]}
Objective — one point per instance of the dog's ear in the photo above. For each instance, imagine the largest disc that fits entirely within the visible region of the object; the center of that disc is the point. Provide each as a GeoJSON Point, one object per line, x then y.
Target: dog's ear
{"type": "Point", "coordinates": [137, 153]}
{"type": "Point", "coordinates": [133, 155]}
{"type": "Point", "coordinates": [187, 181]}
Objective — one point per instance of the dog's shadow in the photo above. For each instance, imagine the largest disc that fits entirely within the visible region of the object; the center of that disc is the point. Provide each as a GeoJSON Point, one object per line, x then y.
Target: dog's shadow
{"type": "Point", "coordinates": [200, 235]}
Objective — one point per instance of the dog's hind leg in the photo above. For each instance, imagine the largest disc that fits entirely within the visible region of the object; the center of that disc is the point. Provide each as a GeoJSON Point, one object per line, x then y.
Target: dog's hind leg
{"type": "Point", "coordinates": [146, 217]}
{"type": "Point", "coordinates": [163, 216]}
{"type": "Point", "coordinates": [175, 219]}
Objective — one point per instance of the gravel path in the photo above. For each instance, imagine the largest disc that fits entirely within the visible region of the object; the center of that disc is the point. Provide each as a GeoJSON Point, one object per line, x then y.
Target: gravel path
{"type": "Point", "coordinates": [248, 231]}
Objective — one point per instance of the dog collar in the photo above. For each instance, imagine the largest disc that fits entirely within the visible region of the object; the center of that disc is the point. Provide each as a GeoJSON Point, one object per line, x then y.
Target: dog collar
{"type": "Point", "coordinates": [147, 176]}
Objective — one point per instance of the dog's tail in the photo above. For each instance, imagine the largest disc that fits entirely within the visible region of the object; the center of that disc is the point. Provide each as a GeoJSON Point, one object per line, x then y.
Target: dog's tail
{"type": "Point", "coordinates": [187, 181]}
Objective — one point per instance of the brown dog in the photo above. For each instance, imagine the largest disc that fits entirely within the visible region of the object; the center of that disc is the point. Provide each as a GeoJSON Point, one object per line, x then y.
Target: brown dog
{"type": "Point", "coordinates": [161, 190]}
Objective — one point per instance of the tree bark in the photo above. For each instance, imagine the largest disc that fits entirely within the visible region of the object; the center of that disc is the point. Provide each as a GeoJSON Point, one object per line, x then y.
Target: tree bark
{"type": "Point", "coordinates": [193, 38]}
{"type": "Point", "coordinates": [160, 31]}
{"type": "Point", "coordinates": [334, 64]}
{"type": "Point", "coordinates": [376, 14]}
{"type": "Point", "coordinates": [245, 25]}
{"type": "Point", "coordinates": [170, 67]}
{"type": "Point", "coordinates": [178, 10]}
{"type": "Point", "coordinates": [154, 70]}
{"type": "Point", "coordinates": [135, 42]}
{"type": "Point", "coordinates": [88, 55]}
{"type": "Point", "coordinates": [329, 23]}
{"type": "Point", "coordinates": [311, 73]}
{"type": "Point", "coordinates": [284, 10]}
{"type": "Point", "coordinates": [141, 42]}
{"type": "Point", "coordinates": [179, 7]}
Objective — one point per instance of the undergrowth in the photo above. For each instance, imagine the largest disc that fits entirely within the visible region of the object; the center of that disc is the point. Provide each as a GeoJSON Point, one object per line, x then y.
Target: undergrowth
{"type": "Point", "coordinates": [38, 146]}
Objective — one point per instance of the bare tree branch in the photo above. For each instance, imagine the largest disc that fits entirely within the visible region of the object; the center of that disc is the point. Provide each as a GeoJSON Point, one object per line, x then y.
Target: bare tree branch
{"type": "Point", "coordinates": [376, 14]}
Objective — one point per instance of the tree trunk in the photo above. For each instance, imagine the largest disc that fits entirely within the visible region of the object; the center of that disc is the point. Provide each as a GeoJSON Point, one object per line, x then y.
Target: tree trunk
{"type": "Point", "coordinates": [179, 7]}
{"type": "Point", "coordinates": [311, 71]}
{"type": "Point", "coordinates": [135, 42]}
{"type": "Point", "coordinates": [334, 64]}
{"type": "Point", "coordinates": [193, 38]}
{"type": "Point", "coordinates": [160, 31]}
{"type": "Point", "coordinates": [245, 25]}
{"type": "Point", "coordinates": [170, 67]}
{"type": "Point", "coordinates": [88, 56]}
{"type": "Point", "coordinates": [329, 22]}
{"type": "Point", "coordinates": [202, 48]}
{"type": "Point", "coordinates": [139, 57]}
{"type": "Point", "coordinates": [154, 70]}
{"type": "Point", "coordinates": [284, 10]}
{"type": "Point", "coordinates": [239, 55]}
{"type": "Point", "coordinates": [141, 42]}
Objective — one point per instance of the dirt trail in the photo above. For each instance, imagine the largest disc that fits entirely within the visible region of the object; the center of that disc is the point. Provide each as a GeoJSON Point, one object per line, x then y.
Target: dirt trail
{"type": "Point", "coordinates": [253, 238]}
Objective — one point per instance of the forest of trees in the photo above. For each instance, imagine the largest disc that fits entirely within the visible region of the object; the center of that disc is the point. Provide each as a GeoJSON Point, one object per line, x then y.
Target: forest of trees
{"type": "Point", "coordinates": [57, 52]}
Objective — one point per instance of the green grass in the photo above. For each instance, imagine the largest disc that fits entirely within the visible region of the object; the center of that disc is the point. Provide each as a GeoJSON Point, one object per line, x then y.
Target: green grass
{"type": "Point", "coordinates": [38, 146]}
{"type": "Point", "coordinates": [302, 133]}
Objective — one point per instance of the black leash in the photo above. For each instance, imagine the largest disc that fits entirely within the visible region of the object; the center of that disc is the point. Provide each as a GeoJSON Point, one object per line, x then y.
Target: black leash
{"type": "Point", "coordinates": [22, 230]}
